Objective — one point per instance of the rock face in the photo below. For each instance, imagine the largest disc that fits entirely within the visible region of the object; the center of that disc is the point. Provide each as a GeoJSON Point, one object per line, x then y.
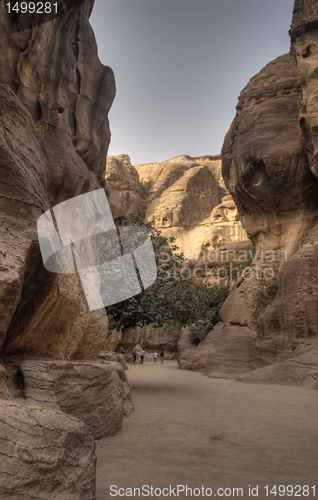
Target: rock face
{"type": "Point", "coordinates": [268, 165]}
{"type": "Point", "coordinates": [54, 100]}
{"type": "Point", "coordinates": [46, 455]}
{"type": "Point", "coordinates": [186, 199]}
{"type": "Point", "coordinates": [54, 135]}
{"type": "Point", "coordinates": [301, 370]}
{"type": "Point", "coordinates": [225, 351]}
{"type": "Point", "coordinates": [266, 169]}
{"type": "Point", "coordinates": [124, 189]}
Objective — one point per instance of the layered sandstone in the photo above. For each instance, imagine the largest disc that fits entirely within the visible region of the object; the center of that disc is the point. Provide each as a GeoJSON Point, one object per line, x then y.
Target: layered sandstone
{"type": "Point", "coordinates": [269, 161]}
{"type": "Point", "coordinates": [54, 134]}
{"type": "Point", "coordinates": [54, 100]}
{"type": "Point", "coordinates": [96, 393]}
{"type": "Point", "coordinates": [267, 170]}
{"type": "Point", "coordinates": [187, 200]}
{"type": "Point", "coordinates": [46, 455]}
{"type": "Point", "coordinates": [124, 188]}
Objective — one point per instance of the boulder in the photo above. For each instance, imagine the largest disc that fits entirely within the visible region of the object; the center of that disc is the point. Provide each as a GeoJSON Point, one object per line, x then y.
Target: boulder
{"type": "Point", "coordinates": [225, 351]}
{"type": "Point", "coordinates": [113, 356]}
{"type": "Point", "coordinates": [46, 455]}
{"type": "Point", "coordinates": [186, 349]}
{"type": "Point", "coordinates": [96, 393]}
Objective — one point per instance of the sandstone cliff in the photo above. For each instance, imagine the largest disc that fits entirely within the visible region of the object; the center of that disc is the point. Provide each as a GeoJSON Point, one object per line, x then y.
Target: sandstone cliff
{"type": "Point", "coordinates": [125, 191]}
{"type": "Point", "coordinates": [269, 162]}
{"type": "Point", "coordinates": [186, 199]}
{"type": "Point", "coordinates": [54, 99]}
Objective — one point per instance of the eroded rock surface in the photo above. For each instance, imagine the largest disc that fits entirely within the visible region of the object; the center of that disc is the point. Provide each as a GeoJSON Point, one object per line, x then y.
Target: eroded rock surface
{"type": "Point", "coordinates": [301, 370]}
{"type": "Point", "coordinates": [4, 393]}
{"type": "Point", "coordinates": [266, 169]}
{"type": "Point", "coordinates": [124, 189]}
{"type": "Point", "coordinates": [46, 455]}
{"type": "Point", "coordinates": [225, 351]}
{"type": "Point", "coordinates": [187, 200]}
{"type": "Point", "coordinates": [269, 165]}
{"type": "Point", "coordinates": [54, 134]}
{"type": "Point", "coordinates": [54, 100]}
{"type": "Point", "coordinates": [147, 336]}
{"type": "Point", "coordinates": [96, 393]}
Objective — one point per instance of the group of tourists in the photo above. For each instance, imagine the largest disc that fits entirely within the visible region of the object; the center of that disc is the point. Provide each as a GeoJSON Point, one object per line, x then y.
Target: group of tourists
{"type": "Point", "coordinates": [142, 353]}
{"type": "Point", "coordinates": [155, 356]}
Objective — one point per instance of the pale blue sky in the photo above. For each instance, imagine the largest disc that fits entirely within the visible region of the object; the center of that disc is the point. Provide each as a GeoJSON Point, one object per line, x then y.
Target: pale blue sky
{"type": "Point", "coordinates": [180, 66]}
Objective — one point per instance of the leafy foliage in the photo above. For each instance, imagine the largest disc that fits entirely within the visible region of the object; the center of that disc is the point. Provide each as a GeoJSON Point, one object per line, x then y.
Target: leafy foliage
{"type": "Point", "coordinates": [173, 297]}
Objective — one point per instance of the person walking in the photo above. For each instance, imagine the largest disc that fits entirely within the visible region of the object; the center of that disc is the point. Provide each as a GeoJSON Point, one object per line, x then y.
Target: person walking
{"type": "Point", "coordinates": [122, 351]}
{"type": "Point", "coordinates": [134, 356]}
{"type": "Point", "coordinates": [161, 356]}
{"type": "Point", "coordinates": [142, 355]}
{"type": "Point", "coordinates": [155, 355]}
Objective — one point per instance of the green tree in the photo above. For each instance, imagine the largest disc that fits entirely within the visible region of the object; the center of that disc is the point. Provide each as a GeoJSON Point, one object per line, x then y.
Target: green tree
{"type": "Point", "coordinates": [173, 297]}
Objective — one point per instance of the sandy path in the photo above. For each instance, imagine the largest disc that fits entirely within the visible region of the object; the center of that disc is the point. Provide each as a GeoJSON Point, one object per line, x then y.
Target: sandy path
{"type": "Point", "coordinates": [190, 430]}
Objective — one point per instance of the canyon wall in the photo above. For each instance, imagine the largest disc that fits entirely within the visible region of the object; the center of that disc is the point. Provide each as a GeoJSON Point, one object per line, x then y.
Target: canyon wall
{"type": "Point", "coordinates": [187, 200]}
{"type": "Point", "coordinates": [54, 99]}
{"type": "Point", "coordinates": [269, 165]}
{"type": "Point", "coordinates": [54, 134]}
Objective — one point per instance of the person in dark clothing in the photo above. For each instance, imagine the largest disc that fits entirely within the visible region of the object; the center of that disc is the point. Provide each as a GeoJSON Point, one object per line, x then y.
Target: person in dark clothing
{"type": "Point", "coordinates": [134, 355]}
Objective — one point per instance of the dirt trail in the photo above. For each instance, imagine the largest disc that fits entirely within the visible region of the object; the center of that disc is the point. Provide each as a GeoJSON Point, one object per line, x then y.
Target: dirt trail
{"type": "Point", "coordinates": [190, 430]}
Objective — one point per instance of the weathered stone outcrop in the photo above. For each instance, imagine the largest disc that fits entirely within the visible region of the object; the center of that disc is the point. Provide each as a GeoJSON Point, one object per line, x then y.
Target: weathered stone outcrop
{"type": "Point", "coordinates": [111, 355]}
{"type": "Point", "coordinates": [54, 99]}
{"type": "Point", "coordinates": [301, 370]}
{"type": "Point", "coordinates": [46, 455]}
{"type": "Point", "coordinates": [225, 351]}
{"type": "Point", "coordinates": [266, 170]}
{"type": "Point", "coordinates": [269, 164]}
{"type": "Point", "coordinates": [124, 189]}
{"type": "Point", "coordinates": [4, 393]}
{"type": "Point", "coordinates": [96, 393]}
{"type": "Point", "coordinates": [187, 200]}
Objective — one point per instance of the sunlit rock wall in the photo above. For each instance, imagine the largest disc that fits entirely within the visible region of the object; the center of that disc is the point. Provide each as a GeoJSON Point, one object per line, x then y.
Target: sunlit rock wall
{"type": "Point", "coordinates": [186, 199]}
